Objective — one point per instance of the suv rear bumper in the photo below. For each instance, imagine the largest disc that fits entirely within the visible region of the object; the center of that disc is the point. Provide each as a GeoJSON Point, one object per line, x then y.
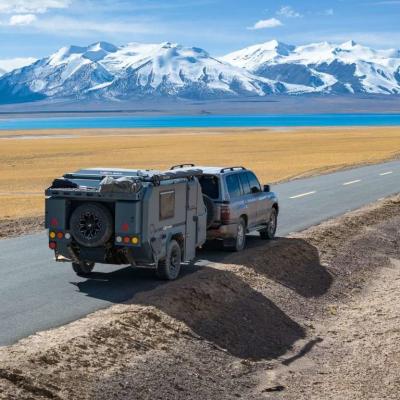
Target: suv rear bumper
{"type": "Point", "coordinates": [222, 232]}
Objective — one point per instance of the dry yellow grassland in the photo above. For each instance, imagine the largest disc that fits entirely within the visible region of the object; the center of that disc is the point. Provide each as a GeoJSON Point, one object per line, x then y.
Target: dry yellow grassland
{"type": "Point", "coordinates": [28, 163]}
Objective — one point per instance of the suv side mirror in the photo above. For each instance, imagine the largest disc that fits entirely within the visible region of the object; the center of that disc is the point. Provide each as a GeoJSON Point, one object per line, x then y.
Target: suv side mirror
{"type": "Point", "coordinates": [255, 190]}
{"type": "Point", "coordinates": [267, 188]}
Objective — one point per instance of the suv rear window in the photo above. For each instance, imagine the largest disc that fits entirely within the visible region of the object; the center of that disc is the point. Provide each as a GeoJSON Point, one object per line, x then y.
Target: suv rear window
{"type": "Point", "coordinates": [210, 186]}
{"type": "Point", "coordinates": [233, 185]}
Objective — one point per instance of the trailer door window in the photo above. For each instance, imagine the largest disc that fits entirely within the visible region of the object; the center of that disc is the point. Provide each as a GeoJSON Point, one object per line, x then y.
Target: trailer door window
{"type": "Point", "coordinates": [167, 205]}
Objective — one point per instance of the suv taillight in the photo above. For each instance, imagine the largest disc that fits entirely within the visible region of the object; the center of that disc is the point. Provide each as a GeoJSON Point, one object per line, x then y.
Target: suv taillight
{"type": "Point", "coordinates": [225, 214]}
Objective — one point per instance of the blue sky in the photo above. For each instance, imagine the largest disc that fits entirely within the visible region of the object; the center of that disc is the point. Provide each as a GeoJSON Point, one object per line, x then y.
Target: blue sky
{"type": "Point", "coordinates": [36, 28]}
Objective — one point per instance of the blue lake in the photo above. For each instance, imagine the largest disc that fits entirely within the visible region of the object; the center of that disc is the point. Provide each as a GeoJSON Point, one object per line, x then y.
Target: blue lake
{"type": "Point", "coordinates": [204, 121]}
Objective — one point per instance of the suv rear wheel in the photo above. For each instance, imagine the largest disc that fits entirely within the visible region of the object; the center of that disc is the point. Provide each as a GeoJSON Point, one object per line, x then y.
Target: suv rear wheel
{"type": "Point", "coordinates": [169, 268]}
{"type": "Point", "coordinates": [240, 238]}
{"type": "Point", "coordinates": [269, 232]}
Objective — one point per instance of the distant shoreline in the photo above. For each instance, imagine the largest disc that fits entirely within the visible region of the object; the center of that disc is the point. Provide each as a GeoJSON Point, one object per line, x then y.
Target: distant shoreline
{"type": "Point", "coordinates": [270, 105]}
{"type": "Point", "coordinates": [264, 121]}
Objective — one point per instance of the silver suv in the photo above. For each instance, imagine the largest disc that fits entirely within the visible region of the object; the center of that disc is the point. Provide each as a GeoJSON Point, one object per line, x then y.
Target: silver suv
{"type": "Point", "coordinates": [236, 204]}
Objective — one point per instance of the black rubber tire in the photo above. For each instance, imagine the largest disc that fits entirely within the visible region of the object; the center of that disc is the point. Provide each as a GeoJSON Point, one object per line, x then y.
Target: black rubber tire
{"type": "Point", "coordinates": [240, 238]}
{"type": "Point", "coordinates": [269, 232]}
{"type": "Point", "coordinates": [169, 268]}
{"type": "Point", "coordinates": [211, 210]}
{"type": "Point", "coordinates": [83, 268]}
{"type": "Point", "coordinates": [91, 214]}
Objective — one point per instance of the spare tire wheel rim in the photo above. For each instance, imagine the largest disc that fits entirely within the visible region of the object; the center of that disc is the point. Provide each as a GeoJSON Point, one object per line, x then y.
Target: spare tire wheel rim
{"type": "Point", "coordinates": [89, 225]}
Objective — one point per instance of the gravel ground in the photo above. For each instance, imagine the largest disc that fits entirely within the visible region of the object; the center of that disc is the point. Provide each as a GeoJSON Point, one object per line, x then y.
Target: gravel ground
{"type": "Point", "coordinates": [21, 226]}
{"type": "Point", "coordinates": [312, 316]}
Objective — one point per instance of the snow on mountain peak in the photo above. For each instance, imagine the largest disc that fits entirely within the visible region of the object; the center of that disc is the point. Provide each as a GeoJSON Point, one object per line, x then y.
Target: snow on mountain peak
{"type": "Point", "coordinates": [107, 47]}
{"type": "Point", "coordinates": [348, 45]}
{"type": "Point", "coordinates": [255, 55]}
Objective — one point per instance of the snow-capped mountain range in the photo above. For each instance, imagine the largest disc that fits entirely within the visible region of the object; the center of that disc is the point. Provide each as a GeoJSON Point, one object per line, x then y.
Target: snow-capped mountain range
{"type": "Point", "coordinates": [326, 67]}
{"type": "Point", "coordinates": [135, 70]}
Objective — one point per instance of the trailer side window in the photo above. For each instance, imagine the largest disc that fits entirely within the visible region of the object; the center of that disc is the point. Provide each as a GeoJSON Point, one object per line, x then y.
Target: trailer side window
{"type": "Point", "coordinates": [167, 204]}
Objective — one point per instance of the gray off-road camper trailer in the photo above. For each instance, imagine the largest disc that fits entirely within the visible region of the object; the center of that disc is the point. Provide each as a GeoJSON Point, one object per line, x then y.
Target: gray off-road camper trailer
{"type": "Point", "coordinates": [132, 217]}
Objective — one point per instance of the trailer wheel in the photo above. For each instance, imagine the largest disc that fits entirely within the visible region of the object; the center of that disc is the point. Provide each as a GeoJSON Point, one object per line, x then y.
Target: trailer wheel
{"type": "Point", "coordinates": [83, 268]}
{"type": "Point", "coordinates": [169, 268]}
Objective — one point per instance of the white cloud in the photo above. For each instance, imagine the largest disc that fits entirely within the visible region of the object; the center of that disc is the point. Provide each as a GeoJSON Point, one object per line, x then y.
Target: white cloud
{"type": "Point", "coordinates": [266, 24]}
{"type": "Point", "coordinates": [80, 27]}
{"type": "Point", "coordinates": [329, 11]}
{"type": "Point", "coordinates": [14, 63]}
{"type": "Point", "coordinates": [31, 6]}
{"type": "Point", "coordinates": [22, 19]}
{"type": "Point", "coordinates": [288, 12]}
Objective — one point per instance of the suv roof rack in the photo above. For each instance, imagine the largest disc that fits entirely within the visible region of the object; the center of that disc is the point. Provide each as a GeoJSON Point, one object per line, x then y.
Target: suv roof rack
{"type": "Point", "coordinates": [232, 169]}
{"type": "Point", "coordinates": [182, 166]}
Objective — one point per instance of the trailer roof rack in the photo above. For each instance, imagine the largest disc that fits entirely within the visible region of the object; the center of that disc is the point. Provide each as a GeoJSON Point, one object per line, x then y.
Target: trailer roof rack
{"type": "Point", "coordinates": [232, 169]}
{"type": "Point", "coordinates": [181, 166]}
{"type": "Point", "coordinates": [154, 177]}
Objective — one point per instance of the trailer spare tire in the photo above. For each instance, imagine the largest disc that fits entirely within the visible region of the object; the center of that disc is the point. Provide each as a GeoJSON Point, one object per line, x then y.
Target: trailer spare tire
{"type": "Point", "coordinates": [211, 211]}
{"type": "Point", "coordinates": [91, 224]}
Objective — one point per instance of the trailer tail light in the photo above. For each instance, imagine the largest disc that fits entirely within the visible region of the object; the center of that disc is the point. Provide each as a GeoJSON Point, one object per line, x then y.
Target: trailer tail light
{"type": "Point", "coordinates": [52, 235]}
{"type": "Point", "coordinates": [125, 227]}
{"type": "Point", "coordinates": [52, 245]}
{"type": "Point", "coordinates": [60, 235]}
{"type": "Point", "coordinates": [225, 214]}
{"type": "Point", "coordinates": [127, 240]}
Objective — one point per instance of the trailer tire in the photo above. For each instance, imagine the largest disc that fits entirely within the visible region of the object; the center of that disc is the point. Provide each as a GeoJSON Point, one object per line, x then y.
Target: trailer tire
{"type": "Point", "coordinates": [169, 268]}
{"type": "Point", "coordinates": [91, 224]}
{"type": "Point", "coordinates": [83, 268]}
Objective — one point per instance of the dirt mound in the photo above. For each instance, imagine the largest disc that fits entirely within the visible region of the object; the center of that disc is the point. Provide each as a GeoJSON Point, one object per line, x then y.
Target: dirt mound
{"type": "Point", "coordinates": [222, 309]}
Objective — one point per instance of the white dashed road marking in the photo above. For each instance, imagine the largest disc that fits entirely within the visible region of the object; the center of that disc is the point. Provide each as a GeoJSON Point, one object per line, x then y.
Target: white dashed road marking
{"type": "Point", "coordinates": [351, 182]}
{"type": "Point", "coordinates": [303, 195]}
{"type": "Point", "coordinates": [386, 173]}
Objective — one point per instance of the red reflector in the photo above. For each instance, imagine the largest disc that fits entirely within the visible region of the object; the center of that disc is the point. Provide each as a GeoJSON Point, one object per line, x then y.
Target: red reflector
{"type": "Point", "coordinates": [225, 214]}
{"type": "Point", "coordinates": [54, 222]}
{"type": "Point", "coordinates": [125, 227]}
{"type": "Point", "coordinates": [52, 245]}
{"type": "Point", "coordinates": [127, 240]}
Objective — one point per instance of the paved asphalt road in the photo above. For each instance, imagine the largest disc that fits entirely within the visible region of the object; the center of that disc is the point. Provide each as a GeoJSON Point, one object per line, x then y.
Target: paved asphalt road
{"type": "Point", "coordinates": [37, 294]}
